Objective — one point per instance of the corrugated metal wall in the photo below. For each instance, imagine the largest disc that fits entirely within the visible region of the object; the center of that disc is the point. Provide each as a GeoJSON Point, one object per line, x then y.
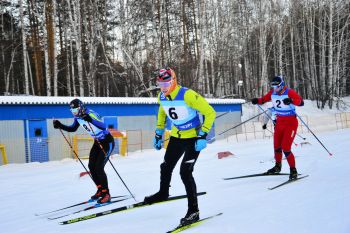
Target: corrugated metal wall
{"type": "Point", "coordinates": [58, 147]}
{"type": "Point", "coordinates": [140, 132]}
{"type": "Point", "coordinates": [12, 136]}
{"type": "Point", "coordinates": [227, 121]}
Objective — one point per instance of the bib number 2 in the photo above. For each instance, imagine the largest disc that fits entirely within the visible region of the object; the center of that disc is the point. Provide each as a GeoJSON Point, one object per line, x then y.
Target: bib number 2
{"type": "Point", "coordinates": [278, 103]}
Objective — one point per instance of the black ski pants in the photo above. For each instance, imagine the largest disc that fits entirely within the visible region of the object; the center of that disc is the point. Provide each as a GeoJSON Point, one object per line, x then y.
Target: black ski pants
{"type": "Point", "coordinates": [98, 159]}
{"type": "Point", "coordinates": [176, 148]}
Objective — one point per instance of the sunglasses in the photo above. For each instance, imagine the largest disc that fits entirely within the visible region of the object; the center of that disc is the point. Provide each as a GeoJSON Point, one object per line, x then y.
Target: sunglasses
{"type": "Point", "coordinates": [164, 84]}
{"type": "Point", "coordinates": [274, 86]}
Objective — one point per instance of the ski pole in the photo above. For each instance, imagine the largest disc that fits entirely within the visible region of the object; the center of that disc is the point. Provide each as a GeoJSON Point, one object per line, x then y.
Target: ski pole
{"type": "Point", "coordinates": [301, 137]}
{"type": "Point", "coordinates": [272, 121]}
{"type": "Point", "coordinates": [265, 112]}
{"type": "Point", "coordinates": [99, 143]}
{"type": "Point", "coordinates": [313, 134]}
{"type": "Point", "coordinates": [76, 155]}
{"type": "Point", "coordinates": [237, 125]}
{"type": "Point", "coordinates": [222, 115]}
{"type": "Point", "coordinates": [201, 125]}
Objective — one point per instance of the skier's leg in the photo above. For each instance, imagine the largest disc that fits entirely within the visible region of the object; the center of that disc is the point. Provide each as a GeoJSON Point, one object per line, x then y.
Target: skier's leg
{"type": "Point", "coordinates": [173, 153]}
{"type": "Point", "coordinates": [186, 170]}
{"type": "Point", "coordinates": [92, 167]}
{"type": "Point", "coordinates": [288, 138]}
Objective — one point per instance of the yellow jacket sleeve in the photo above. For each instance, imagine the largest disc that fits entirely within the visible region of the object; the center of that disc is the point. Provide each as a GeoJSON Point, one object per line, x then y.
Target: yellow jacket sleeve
{"type": "Point", "coordinates": [161, 120]}
{"type": "Point", "coordinates": [197, 102]}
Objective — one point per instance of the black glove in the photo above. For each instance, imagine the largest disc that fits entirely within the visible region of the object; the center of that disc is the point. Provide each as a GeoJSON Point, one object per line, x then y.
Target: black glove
{"type": "Point", "coordinates": [57, 124]}
{"type": "Point", "coordinates": [255, 101]}
{"type": "Point", "coordinates": [86, 117]}
{"type": "Point", "coordinates": [287, 101]}
{"type": "Point", "coordinates": [264, 126]}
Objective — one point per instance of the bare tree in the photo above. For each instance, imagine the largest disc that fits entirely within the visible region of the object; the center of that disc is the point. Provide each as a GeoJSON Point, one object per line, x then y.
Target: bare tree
{"type": "Point", "coordinates": [24, 44]}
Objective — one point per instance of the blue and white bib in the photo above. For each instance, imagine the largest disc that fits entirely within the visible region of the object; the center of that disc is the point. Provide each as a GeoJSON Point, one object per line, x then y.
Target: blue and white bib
{"type": "Point", "coordinates": [280, 108]}
{"type": "Point", "coordinates": [180, 114]}
{"type": "Point", "coordinates": [93, 130]}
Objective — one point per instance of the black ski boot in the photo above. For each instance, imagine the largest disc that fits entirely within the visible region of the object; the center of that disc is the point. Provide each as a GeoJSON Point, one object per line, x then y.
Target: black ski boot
{"type": "Point", "coordinates": [97, 195]}
{"type": "Point", "coordinates": [191, 217]}
{"type": "Point", "coordinates": [293, 173]}
{"type": "Point", "coordinates": [276, 169]}
{"type": "Point", "coordinates": [157, 197]}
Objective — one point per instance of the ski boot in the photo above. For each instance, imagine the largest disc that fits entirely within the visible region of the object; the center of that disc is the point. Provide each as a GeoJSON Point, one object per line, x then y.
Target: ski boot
{"type": "Point", "coordinates": [105, 197]}
{"type": "Point", "coordinates": [157, 197]}
{"type": "Point", "coordinates": [97, 195]}
{"type": "Point", "coordinates": [293, 173]}
{"type": "Point", "coordinates": [276, 169]}
{"type": "Point", "coordinates": [191, 217]}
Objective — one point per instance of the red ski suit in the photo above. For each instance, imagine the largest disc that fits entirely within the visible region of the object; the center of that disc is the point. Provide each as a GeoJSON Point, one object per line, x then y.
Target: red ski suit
{"type": "Point", "coordinates": [286, 124]}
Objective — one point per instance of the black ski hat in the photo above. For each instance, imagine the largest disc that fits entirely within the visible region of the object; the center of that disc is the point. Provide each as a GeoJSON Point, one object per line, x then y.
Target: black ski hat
{"type": "Point", "coordinates": [76, 103]}
{"type": "Point", "coordinates": [77, 107]}
{"type": "Point", "coordinates": [277, 81]}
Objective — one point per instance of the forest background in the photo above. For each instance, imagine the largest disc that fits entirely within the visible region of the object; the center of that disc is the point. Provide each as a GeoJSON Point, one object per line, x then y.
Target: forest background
{"type": "Point", "coordinates": [220, 48]}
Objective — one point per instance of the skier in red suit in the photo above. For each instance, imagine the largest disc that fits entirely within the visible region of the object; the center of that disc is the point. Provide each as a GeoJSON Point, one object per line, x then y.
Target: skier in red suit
{"type": "Point", "coordinates": [284, 101]}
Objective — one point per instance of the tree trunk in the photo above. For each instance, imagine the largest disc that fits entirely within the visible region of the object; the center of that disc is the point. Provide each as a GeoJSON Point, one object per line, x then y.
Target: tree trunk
{"type": "Point", "coordinates": [24, 44]}
{"type": "Point", "coordinates": [6, 82]}
{"type": "Point", "coordinates": [46, 57]}
{"type": "Point", "coordinates": [54, 49]}
{"type": "Point", "coordinates": [66, 51]}
{"type": "Point", "coordinates": [51, 37]}
{"type": "Point", "coordinates": [35, 38]}
{"type": "Point", "coordinates": [76, 27]}
{"type": "Point", "coordinates": [322, 67]}
{"type": "Point", "coordinates": [91, 23]}
{"type": "Point", "coordinates": [202, 46]}
{"type": "Point", "coordinates": [7, 77]}
{"type": "Point", "coordinates": [30, 75]}
{"type": "Point", "coordinates": [294, 80]}
{"type": "Point", "coordinates": [72, 68]}
{"type": "Point", "coordinates": [306, 66]}
{"type": "Point", "coordinates": [331, 83]}
{"type": "Point", "coordinates": [263, 87]}
{"type": "Point", "coordinates": [280, 46]}
{"type": "Point", "coordinates": [311, 44]}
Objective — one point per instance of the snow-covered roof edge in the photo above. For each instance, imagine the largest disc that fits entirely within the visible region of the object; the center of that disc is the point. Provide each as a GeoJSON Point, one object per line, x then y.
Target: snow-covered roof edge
{"type": "Point", "coordinates": [13, 100]}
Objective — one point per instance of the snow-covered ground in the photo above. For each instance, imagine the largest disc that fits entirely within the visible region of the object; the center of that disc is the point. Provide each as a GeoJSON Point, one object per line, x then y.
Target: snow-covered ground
{"type": "Point", "coordinates": [317, 204]}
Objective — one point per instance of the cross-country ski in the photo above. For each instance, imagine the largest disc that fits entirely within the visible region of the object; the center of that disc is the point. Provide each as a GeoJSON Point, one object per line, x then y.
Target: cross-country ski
{"type": "Point", "coordinates": [123, 208]}
{"type": "Point", "coordinates": [256, 175]}
{"type": "Point", "coordinates": [75, 205]}
{"type": "Point", "coordinates": [95, 206]}
{"type": "Point", "coordinates": [183, 227]}
{"type": "Point", "coordinates": [288, 182]}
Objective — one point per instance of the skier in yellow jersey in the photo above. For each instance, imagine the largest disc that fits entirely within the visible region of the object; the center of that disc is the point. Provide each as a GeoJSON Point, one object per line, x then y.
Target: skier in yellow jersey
{"type": "Point", "coordinates": [188, 137]}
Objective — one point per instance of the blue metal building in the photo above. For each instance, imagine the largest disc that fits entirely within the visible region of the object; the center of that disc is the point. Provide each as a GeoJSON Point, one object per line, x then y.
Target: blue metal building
{"type": "Point", "coordinates": [27, 132]}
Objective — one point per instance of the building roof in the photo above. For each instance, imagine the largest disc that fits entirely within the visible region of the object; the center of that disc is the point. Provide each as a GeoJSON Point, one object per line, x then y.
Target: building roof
{"type": "Point", "coordinates": [32, 100]}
